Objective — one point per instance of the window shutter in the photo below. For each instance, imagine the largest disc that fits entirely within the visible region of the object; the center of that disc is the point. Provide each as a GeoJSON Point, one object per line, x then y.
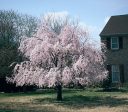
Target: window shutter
{"type": "Point", "coordinates": [121, 42]}
{"type": "Point", "coordinates": [110, 73]}
{"type": "Point", "coordinates": [108, 43]}
{"type": "Point", "coordinates": [122, 73]}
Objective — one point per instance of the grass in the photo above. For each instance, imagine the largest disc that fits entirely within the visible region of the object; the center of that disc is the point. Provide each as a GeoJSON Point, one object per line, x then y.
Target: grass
{"type": "Point", "coordinates": [73, 101]}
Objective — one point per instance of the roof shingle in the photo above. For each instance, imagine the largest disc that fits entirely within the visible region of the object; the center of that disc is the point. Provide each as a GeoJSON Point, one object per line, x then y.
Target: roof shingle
{"type": "Point", "coordinates": [117, 25]}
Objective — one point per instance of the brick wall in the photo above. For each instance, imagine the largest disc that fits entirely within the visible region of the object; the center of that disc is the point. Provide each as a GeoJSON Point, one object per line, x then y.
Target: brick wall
{"type": "Point", "coordinates": [118, 57]}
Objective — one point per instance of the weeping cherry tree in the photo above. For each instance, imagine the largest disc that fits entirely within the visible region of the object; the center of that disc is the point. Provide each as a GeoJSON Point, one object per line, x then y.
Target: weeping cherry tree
{"type": "Point", "coordinates": [59, 58]}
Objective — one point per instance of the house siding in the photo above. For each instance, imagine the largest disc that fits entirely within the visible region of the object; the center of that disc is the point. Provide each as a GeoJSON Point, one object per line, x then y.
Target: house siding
{"type": "Point", "coordinates": [118, 57]}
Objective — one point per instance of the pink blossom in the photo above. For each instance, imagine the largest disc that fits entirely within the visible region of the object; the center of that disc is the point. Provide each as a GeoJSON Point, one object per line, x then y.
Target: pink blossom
{"type": "Point", "coordinates": [59, 59]}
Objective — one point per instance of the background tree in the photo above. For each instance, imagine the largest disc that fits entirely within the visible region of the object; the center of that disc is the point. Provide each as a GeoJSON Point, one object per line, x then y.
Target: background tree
{"type": "Point", "coordinates": [13, 27]}
{"type": "Point", "coordinates": [58, 59]}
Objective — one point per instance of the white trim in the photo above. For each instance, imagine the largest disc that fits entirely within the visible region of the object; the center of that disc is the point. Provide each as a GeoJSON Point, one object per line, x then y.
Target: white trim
{"type": "Point", "coordinates": [115, 43]}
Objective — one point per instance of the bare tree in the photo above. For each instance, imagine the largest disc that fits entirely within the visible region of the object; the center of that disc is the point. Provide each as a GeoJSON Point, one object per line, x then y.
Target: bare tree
{"type": "Point", "coordinates": [13, 27]}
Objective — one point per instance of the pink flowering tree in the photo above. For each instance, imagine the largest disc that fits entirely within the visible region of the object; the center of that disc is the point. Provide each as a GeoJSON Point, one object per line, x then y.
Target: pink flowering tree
{"type": "Point", "coordinates": [57, 58]}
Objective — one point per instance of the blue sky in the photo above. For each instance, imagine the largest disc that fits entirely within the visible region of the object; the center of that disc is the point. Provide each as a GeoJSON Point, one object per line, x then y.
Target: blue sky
{"type": "Point", "coordinates": [92, 13]}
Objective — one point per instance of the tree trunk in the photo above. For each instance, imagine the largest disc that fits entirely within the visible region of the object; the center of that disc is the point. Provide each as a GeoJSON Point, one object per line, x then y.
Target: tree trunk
{"type": "Point", "coordinates": [59, 92]}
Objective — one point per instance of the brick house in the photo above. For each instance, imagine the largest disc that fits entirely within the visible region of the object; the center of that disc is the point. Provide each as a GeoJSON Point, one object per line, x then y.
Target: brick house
{"type": "Point", "coordinates": [115, 37]}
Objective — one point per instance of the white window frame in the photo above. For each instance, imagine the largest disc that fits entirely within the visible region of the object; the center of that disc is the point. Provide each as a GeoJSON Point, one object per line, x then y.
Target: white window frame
{"type": "Point", "coordinates": [118, 72]}
{"type": "Point", "coordinates": [115, 43]}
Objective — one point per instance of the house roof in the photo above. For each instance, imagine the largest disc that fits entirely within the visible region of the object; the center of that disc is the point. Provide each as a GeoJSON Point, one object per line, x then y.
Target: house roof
{"type": "Point", "coordinates": [117, 25]}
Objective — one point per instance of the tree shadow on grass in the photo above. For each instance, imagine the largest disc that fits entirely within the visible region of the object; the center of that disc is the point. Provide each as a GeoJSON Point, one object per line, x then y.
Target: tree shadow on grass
{"type": "Point", "coordinates": [80, 101]}
{"type": "Point", "coordinates": [41, 92]}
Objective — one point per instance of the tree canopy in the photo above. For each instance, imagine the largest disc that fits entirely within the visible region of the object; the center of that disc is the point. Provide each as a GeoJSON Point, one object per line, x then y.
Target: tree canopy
{"type": "Point", "coordinates": [58, 59]}
{"type": "Point", "coordinates": [13, 27]}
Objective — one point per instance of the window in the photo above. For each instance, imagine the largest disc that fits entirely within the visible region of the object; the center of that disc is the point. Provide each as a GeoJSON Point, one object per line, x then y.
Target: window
{"type": "Point", "coordinates": [114, 43]}
{"type": "Point", "coordinates": [115, 74]}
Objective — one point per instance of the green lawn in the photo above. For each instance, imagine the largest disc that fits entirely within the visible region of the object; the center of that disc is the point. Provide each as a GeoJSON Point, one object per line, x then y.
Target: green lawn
{"type": "Point", "coordinates": [73, 101]}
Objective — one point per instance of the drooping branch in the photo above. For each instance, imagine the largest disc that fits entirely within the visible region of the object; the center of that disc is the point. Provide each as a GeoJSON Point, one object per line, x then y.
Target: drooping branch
{"type": "Point", "coordinates": [60, 58]}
